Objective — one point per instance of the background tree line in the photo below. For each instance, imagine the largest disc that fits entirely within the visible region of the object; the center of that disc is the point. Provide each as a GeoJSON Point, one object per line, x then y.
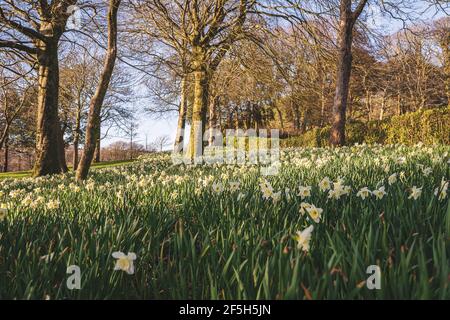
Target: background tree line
{"type": "Point", "coordinates": [288, 64]}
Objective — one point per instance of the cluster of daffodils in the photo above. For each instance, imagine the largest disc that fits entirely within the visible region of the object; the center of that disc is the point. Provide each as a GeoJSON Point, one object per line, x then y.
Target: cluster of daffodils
{"type": "Point", "coordinates": [268, 191]}
{"type": "Point", "coordinates": [365, 193]}
{"type": "Point", "coordinates": [381, 171]}
{"type": "Point", "coordinates": [233, 186]}
{"type": "Point", "coordinates": [338, 190]}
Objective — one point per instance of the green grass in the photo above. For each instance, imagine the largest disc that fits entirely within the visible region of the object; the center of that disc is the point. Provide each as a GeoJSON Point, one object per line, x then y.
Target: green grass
{"type": "Point", "coordinates": [27, 174]}
{"type": "Point", "coordinates": [15, 175]}
{"type": "Point", "coordinates": [192, 242]}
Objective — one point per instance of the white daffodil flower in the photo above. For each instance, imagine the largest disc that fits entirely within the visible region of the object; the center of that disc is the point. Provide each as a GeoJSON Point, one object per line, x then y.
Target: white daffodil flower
{"type": "Point", "coordinates": [217, 187]}
{"type": "Point", "coordinates": [441, 192]}
{"type": "Point", "coordinates": [415, 193]}
{"type": "Point", "coordinates": [392, 179]}
{"type": "Point", "coordinates": [266, 190]}
{"type": "Point", "coordinates": [241, 196]}
{"type": "Point", "coordinates": [53, 205]}
{"type": "Point", "coordinates": [303, 238]}
{"type": "Point", "coordinates": [380, 193]}
{"type": "Point", "coordinates": [427, 171]}
{"type": "Point", "coordinates": [304, 192]}
{"type": "Point", "coordinates": [234, 186]}
{"type": "Point", "coordinates": [304, 207]}
{"type": "Point", "coordinates": [315, 213]}
{"type": "Point", "coordinates": [124, 262]}
{"type": "Point", "coordinates": [3, 213]}
{"type": "Point", "coordinates": [364, 193]}
{"type": "Point", "coordinates": [287, 192]}
{"type": "Point", "coordinates": [325, 184]}
{"type": "Point", "coordinates": [276, 196]}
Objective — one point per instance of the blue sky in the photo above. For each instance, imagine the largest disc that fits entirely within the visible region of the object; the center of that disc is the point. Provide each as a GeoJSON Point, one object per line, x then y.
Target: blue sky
{"type": "Point", "coordinates": [150, 129]}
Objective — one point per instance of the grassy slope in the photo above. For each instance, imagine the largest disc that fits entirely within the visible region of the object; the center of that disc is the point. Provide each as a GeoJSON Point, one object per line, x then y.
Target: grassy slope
{"type": "Point", "coordinates": [26, 174]}
{"type": "Point", "coordinates": [211, 245]}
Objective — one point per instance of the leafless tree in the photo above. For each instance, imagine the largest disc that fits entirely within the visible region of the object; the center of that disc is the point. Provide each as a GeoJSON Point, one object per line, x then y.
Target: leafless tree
{"type": "Point", "coordinates": [93, 125]}
{"type": "Point", "coordinates": [34, 28]}
{"type": "Point", "coordinates": [161, 142]}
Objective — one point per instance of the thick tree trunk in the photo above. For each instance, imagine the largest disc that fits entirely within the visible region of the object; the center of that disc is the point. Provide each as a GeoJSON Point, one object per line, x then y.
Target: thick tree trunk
{"type": "Point", "coordinates": [348, 19]}
{"type": "Point", "coordinates": [49, 158]}
{"type": "Point", "coordinates": [62, 151]}
{"type": "Point", "coordinates": [93, 127]}
{"type": "Point", "coordinates": [446, 51]}
{"type": "Point", "coordinates": [344, 67]}
{"type": "Point", "coordinates": [199, 109]}
{"type": "Point", "coordinates": [179, 140]}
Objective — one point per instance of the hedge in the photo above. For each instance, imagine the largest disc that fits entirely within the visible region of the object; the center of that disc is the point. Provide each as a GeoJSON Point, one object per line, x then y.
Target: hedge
{"type": "Point", "coordinates": [428, 127]}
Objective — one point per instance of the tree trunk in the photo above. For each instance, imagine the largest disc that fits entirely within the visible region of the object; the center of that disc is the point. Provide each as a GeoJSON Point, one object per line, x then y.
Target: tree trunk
{"type": "Point", "coordinates": [199, 109]}
{"type": "Point", "coordinates": [6, 155]}
{"type": "Point", "coordinates": [296, 112]}
{"type": "Point", "coordinates": [76, 139]}
{"type": "Point", "coordinates": [344, 69]}
{"type": "Point", "coordinates": [131, 144]}
{"type": "Point", "coordinates": [49, 158]}
{"type": "Point", "coordinates": [383, 105]}
{"type": "Point", "coordinates": [369, 105]}
{"type": "Point", "coordinates": [98, 145]}
{"type": "Point", "coordinates": [5, 135]}
{"type": "Point", "coordinates": [62, 151]}
{"type": "Point", "coordinates": [322, 101]}
{"type": "Point", "coordinates": [399, 105]}
{"type": "Point", "coordinates": [212, 120]}
{"type": "Point", "coordinates": [230, 117]}
{"type": "Point", "coordinates": [236, 119]}
{"type": "Point", "coordinates": [304, 121]}
{"type": "Point", "coordinates": [280, 115]}
{"type": "Point", "coordinates": [446, 51]}
{"type": "Point", "coordinates": [179, 140]}
{"type": "Point", "coordinates": [93, 126]}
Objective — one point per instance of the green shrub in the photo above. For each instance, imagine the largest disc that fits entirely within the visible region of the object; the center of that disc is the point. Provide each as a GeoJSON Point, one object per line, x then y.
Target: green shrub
{"type": "Point", "coordinates": [376, 132]}
{"type": "Point", "coordinates": [429, 127]}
